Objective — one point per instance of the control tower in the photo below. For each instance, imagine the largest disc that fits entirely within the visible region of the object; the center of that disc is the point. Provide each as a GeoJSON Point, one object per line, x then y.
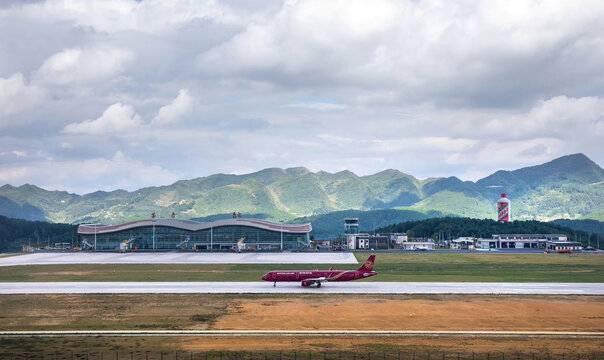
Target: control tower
{"type": "Point", "coordinates": [351, 225]}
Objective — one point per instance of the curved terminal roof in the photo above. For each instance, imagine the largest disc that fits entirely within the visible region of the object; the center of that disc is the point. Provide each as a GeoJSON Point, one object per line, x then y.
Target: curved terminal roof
{"type": "Point", "coordinates": [191, 225]}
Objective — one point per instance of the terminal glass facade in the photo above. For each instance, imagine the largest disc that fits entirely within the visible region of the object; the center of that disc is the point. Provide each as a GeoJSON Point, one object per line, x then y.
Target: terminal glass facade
{"type": "Point", "coordinates": [218, 238]}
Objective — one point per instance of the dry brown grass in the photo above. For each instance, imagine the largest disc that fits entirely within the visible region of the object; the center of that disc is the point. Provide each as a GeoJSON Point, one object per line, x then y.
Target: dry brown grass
{"type": "Point", "coordinates": [305, 312]}
{"type": "Point", "coordinates": [510, 313]}
{"type": "Point", "coordinates": [203, 311]}
{"type": "Point", "coordinates": [82, 312]}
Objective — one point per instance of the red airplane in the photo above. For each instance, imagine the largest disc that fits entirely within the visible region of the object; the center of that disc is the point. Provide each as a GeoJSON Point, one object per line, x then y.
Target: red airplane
{"type": "Point", "coordinates": [316, 277]}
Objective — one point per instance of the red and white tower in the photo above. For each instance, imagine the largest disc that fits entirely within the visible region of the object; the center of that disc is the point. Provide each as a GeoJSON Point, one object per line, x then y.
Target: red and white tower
{"type": "Point", "coordinates": [503, 209]}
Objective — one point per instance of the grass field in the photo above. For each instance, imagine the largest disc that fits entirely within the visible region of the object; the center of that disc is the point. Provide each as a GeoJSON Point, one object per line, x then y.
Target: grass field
{"type": "Point", "coordinates": [391, 267]}
{"type": "Point", "coordinates": [301, 312]}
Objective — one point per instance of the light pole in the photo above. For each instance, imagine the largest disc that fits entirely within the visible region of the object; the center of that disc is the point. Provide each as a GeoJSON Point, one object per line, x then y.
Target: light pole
{"type": "Point", "coordinates": [94, 223]}
{"type": "Point", "coordinates": [281, 235]}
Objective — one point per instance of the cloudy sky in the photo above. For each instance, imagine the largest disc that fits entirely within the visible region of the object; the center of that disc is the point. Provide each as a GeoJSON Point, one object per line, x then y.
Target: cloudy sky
{"type": "Point", "coordinates": [108, 94]}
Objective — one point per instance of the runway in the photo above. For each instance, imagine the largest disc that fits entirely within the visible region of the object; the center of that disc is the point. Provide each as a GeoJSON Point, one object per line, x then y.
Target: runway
{"type": "Point", "coordinates": [174, 257]}
{"type": "Point", "coordinates": [359, 287]}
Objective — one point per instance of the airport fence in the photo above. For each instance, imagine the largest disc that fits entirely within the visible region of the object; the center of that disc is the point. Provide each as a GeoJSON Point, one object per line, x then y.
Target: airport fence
{"type": "Point", "coordinates": [299, 355]}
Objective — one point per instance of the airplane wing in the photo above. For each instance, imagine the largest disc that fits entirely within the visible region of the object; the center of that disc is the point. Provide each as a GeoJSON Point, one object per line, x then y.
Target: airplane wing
{"type": "Point", "coordinates": [317, 280]}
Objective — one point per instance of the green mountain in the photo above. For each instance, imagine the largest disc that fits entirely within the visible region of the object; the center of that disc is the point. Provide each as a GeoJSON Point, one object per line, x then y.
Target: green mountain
{"type": "Point", "coordinates": [568, 187]}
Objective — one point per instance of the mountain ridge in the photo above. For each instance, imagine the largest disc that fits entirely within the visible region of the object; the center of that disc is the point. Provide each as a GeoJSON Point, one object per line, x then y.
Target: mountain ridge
{"type": "Point", "coordinates": [571, 186]}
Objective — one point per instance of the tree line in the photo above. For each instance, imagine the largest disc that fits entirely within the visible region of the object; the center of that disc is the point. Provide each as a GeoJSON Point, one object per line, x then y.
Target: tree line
{"type": "Point", "coordinates": [15, 233]}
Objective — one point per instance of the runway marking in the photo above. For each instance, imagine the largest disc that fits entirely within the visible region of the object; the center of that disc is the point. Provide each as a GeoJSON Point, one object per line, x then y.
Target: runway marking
{"type": "Point", "coordinates": [301, 333]}
{"type": "Point", "coordinates": [359, 287]}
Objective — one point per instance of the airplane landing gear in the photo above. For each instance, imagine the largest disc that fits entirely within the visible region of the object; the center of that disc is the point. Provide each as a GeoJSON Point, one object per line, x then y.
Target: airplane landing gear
{"type": "Point", "coordinates": [274, 284]}
{"type": "Point", "coordinates": [318, 285]}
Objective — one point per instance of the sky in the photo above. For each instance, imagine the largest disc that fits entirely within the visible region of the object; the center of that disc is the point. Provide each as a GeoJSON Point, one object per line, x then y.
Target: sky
{"type": "Point", "coordinates": [120, 94]}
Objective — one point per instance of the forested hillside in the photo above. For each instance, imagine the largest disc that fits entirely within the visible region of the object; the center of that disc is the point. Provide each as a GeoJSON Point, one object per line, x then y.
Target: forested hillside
{"type": "Point", "coordinates": [569, 187]}
{"type": "Point", "coordinates": [17, 232]}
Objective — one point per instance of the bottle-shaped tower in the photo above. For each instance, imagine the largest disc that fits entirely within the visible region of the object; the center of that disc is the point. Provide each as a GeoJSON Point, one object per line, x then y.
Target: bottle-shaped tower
{"type": "Point", "coordinates": [503, 209]}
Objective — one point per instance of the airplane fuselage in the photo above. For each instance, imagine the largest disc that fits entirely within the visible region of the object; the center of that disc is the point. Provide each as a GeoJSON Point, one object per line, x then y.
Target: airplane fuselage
{"type": "Point", "coordinates": [331, 275]}
{"type": "Point", "coordinates": [316, 277]}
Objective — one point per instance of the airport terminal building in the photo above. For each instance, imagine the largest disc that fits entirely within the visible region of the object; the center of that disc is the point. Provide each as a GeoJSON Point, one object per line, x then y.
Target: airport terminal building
{"type": "Point", "coordinates": [173, 234]}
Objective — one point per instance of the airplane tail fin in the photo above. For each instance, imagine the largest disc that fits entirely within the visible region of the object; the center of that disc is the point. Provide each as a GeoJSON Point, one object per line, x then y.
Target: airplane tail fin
{"type": "Point", "coordinates": [368, 265]}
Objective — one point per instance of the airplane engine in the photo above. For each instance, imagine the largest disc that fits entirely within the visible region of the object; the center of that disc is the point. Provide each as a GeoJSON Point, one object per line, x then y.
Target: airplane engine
{"type": "Point", "coordinates": [305, 283]}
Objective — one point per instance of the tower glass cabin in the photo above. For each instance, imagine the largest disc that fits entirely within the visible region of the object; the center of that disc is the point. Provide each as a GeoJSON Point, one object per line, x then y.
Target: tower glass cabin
{"type": "Point", "coordinates": [351, 225]}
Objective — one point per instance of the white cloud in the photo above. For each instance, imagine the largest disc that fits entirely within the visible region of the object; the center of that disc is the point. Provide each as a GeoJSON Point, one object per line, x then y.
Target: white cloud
{"type": "Point", "coordinates": [559, 117]}
{"type": "Point", "coordinates": [122, 15]}
{"type": "Point", "coordinates": [377, 97]}
{"type": "Point", "coordinates": [116, 119]}
{"type": "Point", "coordinates": [430, 87]}
{"type": "Point", "coordinates": [17, 153]}
{"type": "Point", "coordinates": [77, 66]}
{"type": "Point", "coordinates": [120, 119]}
{"type": "Point", "coordinates": [16, 95]}
{"type": "Point", "coordinates": [118, 172]}
{"type": "Point", "coordinates": [426, 50]}
{"type": "Point", "coordinates": [180, 107]}
{"type": "Point", "coordinates": [429, 143]}
{"type": "Point", "coordinates": [321, 106]}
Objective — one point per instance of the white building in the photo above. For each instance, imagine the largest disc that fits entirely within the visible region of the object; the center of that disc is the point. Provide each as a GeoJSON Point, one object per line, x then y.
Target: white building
{"type": "Point", "coordinates": [519, 241]}
{"type": "Point", "coordinates": [367, 241]}
{"type": "Point", "coordinates": [563, 245]}
{"type": "Point", "coordinates": [415, 245]}
{"type": "Point", "coordinates": [400, 238]}
{"type": "Point", "coordinates": [463, 242]}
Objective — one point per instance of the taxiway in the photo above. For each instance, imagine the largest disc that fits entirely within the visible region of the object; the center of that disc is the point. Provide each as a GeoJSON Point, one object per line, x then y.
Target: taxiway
{"type": "Point", "coordinates": [173, 257]}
